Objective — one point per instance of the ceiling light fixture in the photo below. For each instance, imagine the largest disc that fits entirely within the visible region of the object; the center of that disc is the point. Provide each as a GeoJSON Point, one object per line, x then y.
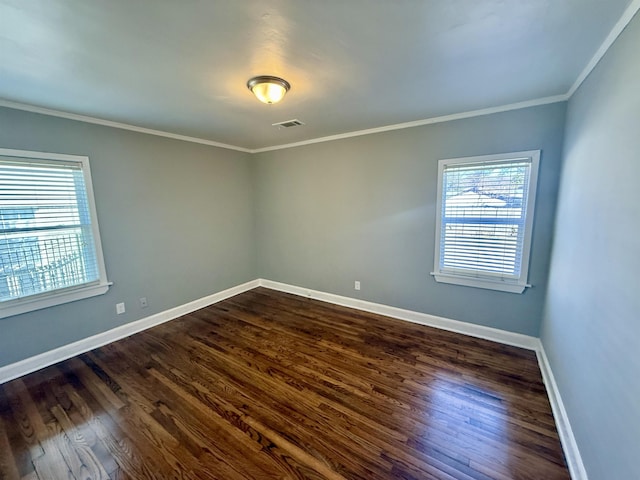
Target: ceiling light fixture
{"type": "Point", "coordinates": [268, 89]}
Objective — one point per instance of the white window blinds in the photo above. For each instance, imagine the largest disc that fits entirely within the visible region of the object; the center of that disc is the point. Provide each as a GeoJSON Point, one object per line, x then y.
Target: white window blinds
{"type": "Point", "coordinates": [485, 213]}
{"type": "Point", "coordinates": [47, 228]}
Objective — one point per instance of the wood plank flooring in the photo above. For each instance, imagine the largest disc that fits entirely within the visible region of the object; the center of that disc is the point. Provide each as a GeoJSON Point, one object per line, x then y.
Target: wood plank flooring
{"type": "Point", "coordinates": [267, 385]}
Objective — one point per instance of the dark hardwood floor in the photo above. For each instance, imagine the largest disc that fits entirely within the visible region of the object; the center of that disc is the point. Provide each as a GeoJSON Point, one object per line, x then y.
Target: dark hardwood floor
{"type": "Point", "coordinates": [267, 385]}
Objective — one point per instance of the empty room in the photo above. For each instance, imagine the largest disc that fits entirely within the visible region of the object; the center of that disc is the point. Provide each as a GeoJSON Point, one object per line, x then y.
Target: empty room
{"type": "Point", "coordinates": [329, 240]}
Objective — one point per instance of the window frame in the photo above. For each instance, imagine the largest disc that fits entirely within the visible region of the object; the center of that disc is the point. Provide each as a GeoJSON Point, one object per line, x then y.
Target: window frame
{"type": "Point", "coordinates": [69, 294]}
{"type": "Point", "coordinates": [478, 279]}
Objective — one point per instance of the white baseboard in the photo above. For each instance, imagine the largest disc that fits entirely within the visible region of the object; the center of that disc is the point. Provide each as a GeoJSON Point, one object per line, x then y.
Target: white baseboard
{"type": "Point", "coordinates": [473, 330]}
{"type": "Point", "coordinates": [37, 362]}
{"type": "Point", "coordinates": [568, 440]}
{"type": "Point", "coordinates": [569, 445]}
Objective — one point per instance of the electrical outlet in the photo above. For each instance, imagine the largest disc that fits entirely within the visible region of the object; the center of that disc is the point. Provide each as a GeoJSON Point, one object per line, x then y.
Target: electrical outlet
{"type": "Point", "coordinates": [356, 285]}
{"type": "Point", "coordinates": [120, 308]}
{"type": "Point", "coordinates": [143, 302]}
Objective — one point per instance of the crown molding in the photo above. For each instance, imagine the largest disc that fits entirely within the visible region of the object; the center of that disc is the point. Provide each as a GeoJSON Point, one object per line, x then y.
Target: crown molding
{"type": "Point", "coordinates": [620, 25]}
{"type": "Point", "coordinates": [418, 123]}
{"type": "Point", "coordinates": [123, 126]}
{"type": "Point", "coordinates": [617, 29]}
{"type": "Point", "coordinates": [615, 32]}
{"type": "Point", "coordinates": [356, 133]}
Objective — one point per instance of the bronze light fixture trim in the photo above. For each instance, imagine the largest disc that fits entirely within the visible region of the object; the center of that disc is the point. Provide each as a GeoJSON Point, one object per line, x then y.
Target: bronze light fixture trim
{"type": "Point", "coordinates": [268, 89]}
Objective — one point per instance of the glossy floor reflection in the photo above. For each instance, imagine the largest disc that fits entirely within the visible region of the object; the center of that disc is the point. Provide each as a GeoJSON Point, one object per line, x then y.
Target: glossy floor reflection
{"type": "Point", "coordinates": [270, 385]}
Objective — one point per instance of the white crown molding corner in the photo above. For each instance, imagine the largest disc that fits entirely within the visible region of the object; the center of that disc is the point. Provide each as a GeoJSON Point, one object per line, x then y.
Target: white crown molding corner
{"type": "Point", "coordinates": [565, 432]}
{"type": "Point", "coordinates": [37, 362]}
{"type": "Point", "coordinates": [615, 32]}
{"type": "Point", "coordinates": [620, 25]}
{"type": "Point", "coordinates": [122, 126]}
{"type": "Point", "coordinates": [418, 123]}
{"type": "Point", "coordinates": [357, 133]}
{"type": "Point", "coordinates": [473, 330]}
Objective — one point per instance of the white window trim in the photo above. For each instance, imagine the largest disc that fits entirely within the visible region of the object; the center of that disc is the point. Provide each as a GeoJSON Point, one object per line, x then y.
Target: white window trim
{"type": "Point", "coordinates": [58, 297]}
{"type": "Point", "coordinates": [479, 280]}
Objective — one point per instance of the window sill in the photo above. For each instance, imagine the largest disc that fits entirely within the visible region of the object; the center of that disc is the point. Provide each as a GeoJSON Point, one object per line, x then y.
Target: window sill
{"type": "Point", "coordinates": [480, 283]}
{"type": "Point", "coordinates": [45, 300]}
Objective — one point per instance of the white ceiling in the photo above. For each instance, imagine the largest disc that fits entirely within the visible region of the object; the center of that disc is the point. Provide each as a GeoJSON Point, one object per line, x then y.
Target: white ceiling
{"type": "Point", "coordinates": [182, 66]}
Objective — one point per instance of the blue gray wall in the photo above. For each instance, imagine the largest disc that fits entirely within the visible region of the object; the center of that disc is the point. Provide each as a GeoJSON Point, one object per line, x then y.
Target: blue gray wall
{"type": "Point", "coordinates": [363, 209]}
{"type": "Point", "coordinates": [591, 327]}
{"type": "Point", "coordinates": [180, 221]}
{"type": "Point", "coordinates": [176, 221]}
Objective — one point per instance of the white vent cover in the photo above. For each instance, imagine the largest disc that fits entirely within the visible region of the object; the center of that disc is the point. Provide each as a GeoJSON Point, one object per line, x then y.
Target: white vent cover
{"type": "Point", "coordinates": [288, 123]}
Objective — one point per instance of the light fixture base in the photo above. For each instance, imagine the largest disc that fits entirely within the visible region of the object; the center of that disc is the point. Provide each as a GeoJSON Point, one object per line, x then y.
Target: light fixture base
{"type": "Point", "coordinates": [268, 89]}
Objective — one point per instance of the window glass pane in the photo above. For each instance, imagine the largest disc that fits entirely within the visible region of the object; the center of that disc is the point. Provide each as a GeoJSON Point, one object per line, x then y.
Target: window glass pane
{"type": "Point", "coordinates": [485, 220]}
{"type": "Point", "coordinates": [483, 217]}
{"type": "Point", "coordinates": [46, 238]}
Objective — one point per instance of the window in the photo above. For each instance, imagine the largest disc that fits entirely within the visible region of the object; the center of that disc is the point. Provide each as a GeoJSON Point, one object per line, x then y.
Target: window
{"type": "Point", "coordinates": [484, 222]}
{"type": "Point", "coordinates": [50, 250]}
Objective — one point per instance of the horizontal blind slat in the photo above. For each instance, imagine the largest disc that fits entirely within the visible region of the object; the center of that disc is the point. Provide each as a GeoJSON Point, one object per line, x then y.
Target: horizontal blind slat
{"type": "Point", "coordinates": [46, 237]}
{"type": "Point", "coordinates": [483, 216]}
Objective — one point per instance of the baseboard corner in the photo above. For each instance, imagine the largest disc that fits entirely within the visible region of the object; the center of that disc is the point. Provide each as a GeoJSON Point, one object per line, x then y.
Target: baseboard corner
{"type": "Point", "coordinates": [45, 359]}
{"type": "Point", "coordinates": [466, 328]}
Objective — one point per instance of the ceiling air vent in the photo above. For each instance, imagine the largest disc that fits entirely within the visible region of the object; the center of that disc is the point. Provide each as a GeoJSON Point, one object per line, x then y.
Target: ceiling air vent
{"type": "Point", "coordinates": [288, 123]}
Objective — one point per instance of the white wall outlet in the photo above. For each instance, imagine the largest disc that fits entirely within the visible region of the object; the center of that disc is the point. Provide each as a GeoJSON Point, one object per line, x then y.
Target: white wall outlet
{"type": "Point", "coordinates": [120, 308]}
{"type": "Point", "coordinates": [143, 302]}
{"type": "Point", "coordinates": [356, 285]}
